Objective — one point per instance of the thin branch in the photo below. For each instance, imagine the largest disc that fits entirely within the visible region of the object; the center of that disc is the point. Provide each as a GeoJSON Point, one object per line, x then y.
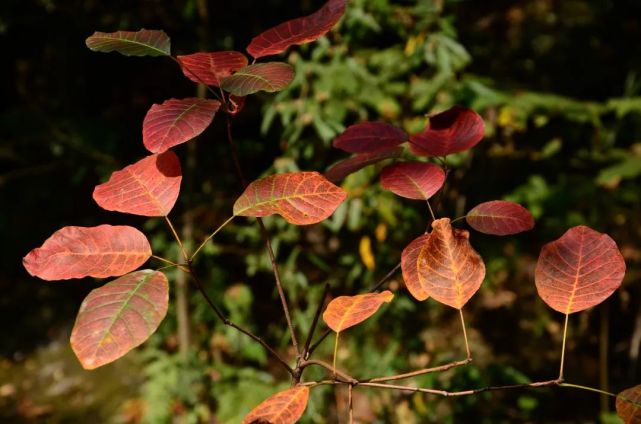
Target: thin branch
{"type": "Point", "coordinates": [319, 310]}
{"type": "Point", "coordinates": [167, 261]}
{"type": "Point", "coordinates": [440, 368]}
{"type": "Point", "coordinates": [342, 376]}
{"type": "Point", "coordinates": [177, 237]}
{"type": "Point", "coordinates": [350, 403]}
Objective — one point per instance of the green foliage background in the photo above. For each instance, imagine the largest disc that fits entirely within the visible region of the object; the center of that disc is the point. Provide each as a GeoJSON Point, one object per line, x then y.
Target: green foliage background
{"type": "Point", "coordinates": [558, 85]}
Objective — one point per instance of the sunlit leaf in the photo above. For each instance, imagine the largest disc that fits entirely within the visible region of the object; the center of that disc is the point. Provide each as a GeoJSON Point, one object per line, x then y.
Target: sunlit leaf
{"type": "Point", "coordinates": [500, 217]}
{"type": "Point", "coordinates": [211, 68]}
{"type": "Point", "coordinates": [370, 137]}
{"type": "Point", "coordinates": [455, 130]}
{"type": "Point", "coordinates": [300, 197]}
{"type": "Point", "coordinates": [443, 265]}
{"type": "Point", "coordinates": [149, 187]}
{"type": "Point", "coordinates": [119, 316]}
{"type": "Point", "coordinates": [628, 405]}
{"type": "Point", "coordinates": [344, 168]}
{"type": "Point", "coordinates": [347, 311]}
{"type": "Point", "coordinates": [579, 270]}
{"type": "Point", "coordinates": [297, 31]}
{"type": "Point", "coordinates": [176, 121]}
{"type": "Point", "coordinates": [145, 42]}
{"type": "Point", "coordinates": [270, 77]}
{"type": "Point", "coordinates": [284, 407]}
{"type": "Point", "coordinates": [77, 252]}
{"type": "Point", "coordinates": [414, 180]}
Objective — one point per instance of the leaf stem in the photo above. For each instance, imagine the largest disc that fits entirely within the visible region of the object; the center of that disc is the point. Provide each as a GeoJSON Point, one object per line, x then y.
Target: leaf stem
{"type": "Point", "coordinates": [177, 237]}
{"type": "Point", "coordinates": [565, 333]}
{"type": "Point", "coordinates": [315, 321]}
{"type": "Point", "coordinates": [431, 211]}
{"type": "Point", "coordinates": [440, 368]}
{"type": "Point", "coordinates": [460, 218]}
{"type": "Point", "coordinates": [223, 225]}
{"type": "Point", "coordinates": [589, 389]}
{"type": "Point", "coordinates": [467, 345]}
{"type": "Point", "coordinates": [335, 352]}
{"type": "Point", "coordinates": [350, 402]}
{"type": "Point", "coordinates": [167, 261]}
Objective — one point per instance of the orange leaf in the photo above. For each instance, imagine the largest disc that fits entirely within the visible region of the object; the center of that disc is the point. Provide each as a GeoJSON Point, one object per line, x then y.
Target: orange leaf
{"type": "Point", "coordinates": [443, 265]}
{"type": "Point", "coordinates": [347, 311]}
{"type": "Point", "coordinates": [629, 405]}
{"type": "Point", "coordinates": [210, 68]}
{"type": "Point", "coordinates": [284, 407]}
{"type": "Point", "coordinates": [579, 270]}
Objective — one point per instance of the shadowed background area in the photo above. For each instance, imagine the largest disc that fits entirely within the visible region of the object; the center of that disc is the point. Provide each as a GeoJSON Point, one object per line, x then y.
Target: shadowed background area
{"type": "Point", "coordinates": [558, 84]}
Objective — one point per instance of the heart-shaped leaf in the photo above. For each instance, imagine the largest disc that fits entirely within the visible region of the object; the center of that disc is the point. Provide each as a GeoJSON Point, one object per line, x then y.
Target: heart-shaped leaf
{"type": "Point", "coordinates": [211, 68]}
{"type": "Point", "coordinates": [270, 77]}
{"type": "Point", "coordinates": [414, 180]}
{"type": "Point", "coordinates": [145, 42]}
{"type": "Point", "coordinates": [500, 218]}
{"type": "Point", "coordinates": [347, 311]}
{"type": "Point", "coordinates": [119, 316]}
{"type": "Point", "coordinates": [149, 187]}
{"type": "Point", "coordinates": [357, 162]}
{"type": "Point", "coordinates": [284, 407]}
{"type": "Point", "coordinates": [297, 31]}
{"type": "Point", "coordinates": [455, 130]}
{"type": "Point", "coordinates": [301, 198]}
{"type": "Point", "coordinates": [443, 266]}
{"type": "Point", "coordinates": [176, 121]}
{"type": "Point", "coordinates": [628, 405]}
{"type": "Point", "coordinates": [78, 252]}
{"type": "Point", "coordinates": [370, 137]}
{"type": "Point", "coordinates": [579, 270]}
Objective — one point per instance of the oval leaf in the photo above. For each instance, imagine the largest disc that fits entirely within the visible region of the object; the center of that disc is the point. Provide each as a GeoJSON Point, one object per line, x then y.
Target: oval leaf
{"type": "Point", "coordinates": [344, 168]}
{"type": "Point", "coordinates": [119, 316]}
{"type": "Point", "coordinates": [347, 311]}
{"type": "Point", "coordinates": [579, 270]}
{"type": "Point", "coordinates": [149, 187]}
{"type": "Point", "coordinates": [443, 266]}
{"type": "Point", "coordinates": [176, 121]}
{"type": "Point", "coordinates": [270, 77]}
{"type": "Point", "coordinates": [369, 137]}
{"type": "Point", "coordinates": [211, 68]}
{"type": "Point", "coordinates": [414, 180]}
{"type": "Point", "coordinates": [455, 130]}
{"type": "Point", "coordinates": [628, 405]}
{"type": "Point", "coordinates": [297, 31]}
{"type": "Point", "coordinates": [500, 218]}
{"type": "Point", "coordinates": [301, 198]}
{"type": "Point", "coordinates": [78, 252]}
{"type": "Point", "coordinates": [145, 42]}
{"type": "Point", "coordinates": [284, 407]}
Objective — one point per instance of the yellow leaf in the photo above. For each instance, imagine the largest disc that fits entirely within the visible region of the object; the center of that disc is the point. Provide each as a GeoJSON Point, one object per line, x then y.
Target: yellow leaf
{"type": "Point", "coordinates": [365, 250]}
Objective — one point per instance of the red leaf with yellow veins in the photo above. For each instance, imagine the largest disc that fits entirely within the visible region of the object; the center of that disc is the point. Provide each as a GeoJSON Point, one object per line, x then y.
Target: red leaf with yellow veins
{"type": "Point", "coordinates": [500, 218]}
{"type": "Point", "coordinates": [211, 68]}
{"type": "Point", "coordinates": [284, 407]}
{"type": "Point", "coordinates": [413, 180]}
{"type": "Point", "coordinates": [269, 77]}
{"type": "Point", "coordinates": [146, 42]}
{"type": "Point", "coordinates": [411, 263]}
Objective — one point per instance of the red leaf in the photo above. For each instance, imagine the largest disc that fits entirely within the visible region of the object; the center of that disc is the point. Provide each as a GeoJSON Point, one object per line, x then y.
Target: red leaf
{"type": "Point", "coordinates": [414, 180]}
{"type": "Point", "coordinates": [176, 121]}
{"type": "Point", "coordinates": [145, 42]}
{"type": "Point", "coordinates": [455, 130]}
{"type": "Point", "coordinates": [211, 68]}
{"type": "Point", "coordinates": [284, 407]}
{"type": "Point", "coordinates": [628, 405]}
{"type": "Point", "coordinates": [149, 187]}
{"type": "Point", "coordinates": [579, 270]}
{"type": "Point", "coordinates": [297, 31]}
{"type": "Point", "coordinates": [344, 168]}
{"type": "Point", "coordinates": [77, 252]}
{"type": "Point", "coordinates": [269, 77]}
{"type": "Point", "coordinates": [443, 266]}
{"type": "Point", "coordinates": [500, 218]}
{"type": "Point", "coordinates": [370, 137]}
{"type": "Point", "coordinates": [300, 197]}
{"type": "Point", "coordinates": [119, 316]}
{"type": "Point", "coordinates": [347, 311]}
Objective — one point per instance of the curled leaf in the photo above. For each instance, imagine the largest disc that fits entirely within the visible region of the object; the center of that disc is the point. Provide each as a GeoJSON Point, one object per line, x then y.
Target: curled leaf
{"type": "Point", "coordinates": [146, 42]}
{"type": "Point", "coordinates": [414, 180]}
{"type": "Point", "coordinates": [500, 218]}
{"type": "Point", "coordinates": [412, 264]}
{"type": "Point", "coordinates": [348, 166]}
{"type": "Point", "coordinates": [370, 137]}
{"type": "Point", "coordinates": [628, 405]}
{"type": "Point", "coordinates": [579, 270]}
{"type": "Point", "coordinates": [211, 68]}
{"type": "Point", "coordinates": [270, 77]}
{"type": "Point", "coordinates": [284, 407]}
{"type": "Point", "coordinates": [346, 311]}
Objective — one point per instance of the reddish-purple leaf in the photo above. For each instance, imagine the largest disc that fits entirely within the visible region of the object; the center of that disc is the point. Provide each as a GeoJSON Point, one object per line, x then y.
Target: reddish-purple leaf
{"type": "Point", "coordinates": [348, 166]}
{"type": "Point", "coordinates": [270, 77]}
{"type": "Point", "coordinates": [579, 270]}
{"type": "Point", "coordinates": [455, 130]}
{"type": "Point", "coordinates": [297, 31]}
{"type": "Point", "coordinates": [176, 121]}
{"type": "Point", "coordinates": [301, 198]}
{"type": "Point", "coordinates": [211, 68]}
{"type": "Point", "coordinates": [284, 407]}
{"type": "Point", "coordinates": [77, 252]}
{"type": "Point", "coordinates": [370, 137]}
{"type": "Point", "coordinates": [443, 266]}
{"type": "Point", "coordinates": [145, 42]}
{"type": "Point", "coordinates": [628, 405]}
{"type": "Point", "coordinates": [414, 180]}
{"type": "Point", "coordinates": [149, 187]}
{"type": "Point", "coordinates": [347, 311]}
{"type": "Point", "coordinates": [119, 316]}
{"type": "Point", "coordinates": [500, 218]}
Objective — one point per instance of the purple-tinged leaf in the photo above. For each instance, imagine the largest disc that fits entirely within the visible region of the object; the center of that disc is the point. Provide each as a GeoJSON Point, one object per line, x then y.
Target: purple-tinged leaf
{"type": "Point", "coordinates": [145, 42]}
{"type": "Point", "coordinates": [370, 137]}
{"type": "Point", "coordinates": [348, 166]}
{"type": "Point", "coordinates": [414, 180]}
{"type": "Point", "coordinates": [269, 77]}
